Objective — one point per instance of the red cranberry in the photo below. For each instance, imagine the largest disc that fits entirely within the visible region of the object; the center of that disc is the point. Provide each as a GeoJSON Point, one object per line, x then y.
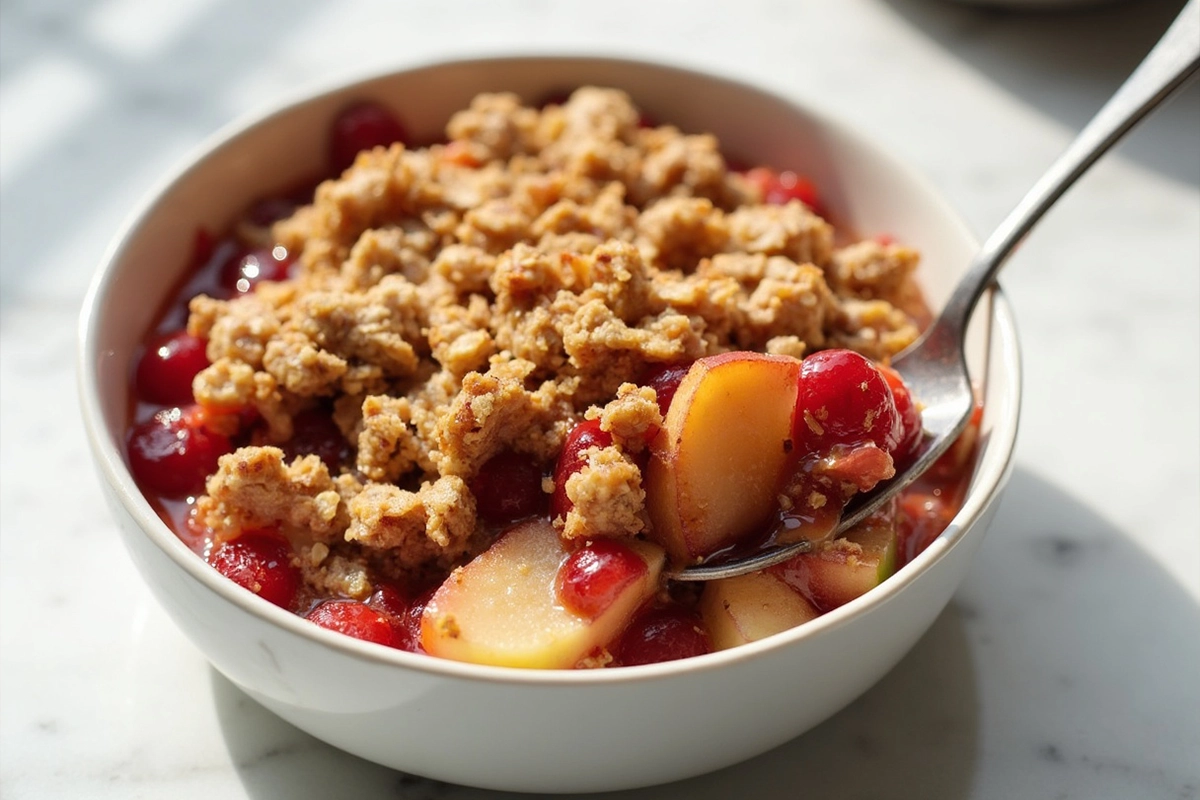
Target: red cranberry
{"type": "Point", "coordinates": [665, 382]}
{"type": "Point", "coordinates": [508, 487]}
{"type": "Point", "coordinates": [907, 414]}
{"type": "Point", "coordinates": [388, 599]}
{"type": "Point", "coordinates": [780, 188]}
{"type": "Point", "coordinates": [172, 453]}
{"type": "Point", "coordinates": [260, 561]}
{"type": "Point", "coordinates": [165, 371]}
{"type": "Point", "coordinates": [844, 400]}
{"type": "Point", "coordinates": [356, 619]}
{"type": "Point", "coordinates": [404, 613]}
{"type": "Point", "coordinates": [572, 459]}
{"type": "Point", "coordinates": [592, 578]}
{"type": "Point", "coordinates": [662, 634]}
{"type": "Point", "coordinates": [362, 127]}
{"type": "Point", "coordinates": [315, 433]}
{"type": "Point", "coordinates": [246, 270]}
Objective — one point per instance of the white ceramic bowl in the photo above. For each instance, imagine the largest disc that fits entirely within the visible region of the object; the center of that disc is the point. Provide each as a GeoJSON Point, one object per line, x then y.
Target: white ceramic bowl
{"type": "Point", "coordinates": [518, 729]}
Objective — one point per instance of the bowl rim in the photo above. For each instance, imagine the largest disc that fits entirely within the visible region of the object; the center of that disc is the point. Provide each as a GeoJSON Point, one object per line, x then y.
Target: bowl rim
{"type": "Point", "coordinates": [991, 472]}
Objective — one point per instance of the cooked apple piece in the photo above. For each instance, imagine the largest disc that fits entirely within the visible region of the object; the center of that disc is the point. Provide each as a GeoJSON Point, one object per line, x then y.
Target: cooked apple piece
{"type": "Point", "coordinates": [846, 568]}
{"type": "Point", "coordinates": [751, 607]}
{"type": "Point", "coordinates": [504, 607]}
{"type": "Point", "coordinates": [718, 462]}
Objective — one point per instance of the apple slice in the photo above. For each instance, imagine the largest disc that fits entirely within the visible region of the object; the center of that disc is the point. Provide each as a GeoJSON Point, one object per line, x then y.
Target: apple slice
{"type": "Point", "coordinates": [751, 607]}
{"type": "Point", "coordinates": [846, 568]}
{"type": "Point", "coordinates": [504, 609]}
{"type": "Point", "coordinates": [718, 462]}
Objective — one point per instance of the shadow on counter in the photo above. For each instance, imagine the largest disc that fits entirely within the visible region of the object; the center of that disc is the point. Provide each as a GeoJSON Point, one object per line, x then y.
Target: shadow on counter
{"type": "Point", "coordinates": [920, 728]}
{"type": "Point", "coordinates": [1066, 63]}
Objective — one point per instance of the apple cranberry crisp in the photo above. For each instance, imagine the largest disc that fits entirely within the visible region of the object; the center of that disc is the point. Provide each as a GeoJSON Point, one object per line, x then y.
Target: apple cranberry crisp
{"type": "Point", "coordinates": [563, 337]}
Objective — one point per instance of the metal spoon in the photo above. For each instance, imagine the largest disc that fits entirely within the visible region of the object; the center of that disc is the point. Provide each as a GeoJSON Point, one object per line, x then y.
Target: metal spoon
{"type": "Point", "coordinates": [935, 367]}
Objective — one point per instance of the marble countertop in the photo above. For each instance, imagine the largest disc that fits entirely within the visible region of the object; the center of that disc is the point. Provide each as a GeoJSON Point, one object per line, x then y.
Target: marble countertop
{"type": "Point", "coordinates": [1066, 665]}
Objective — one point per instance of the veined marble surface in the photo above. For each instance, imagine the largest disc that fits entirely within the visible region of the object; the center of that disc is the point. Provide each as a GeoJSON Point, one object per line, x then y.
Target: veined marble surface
{"type": "Point", "coordinates": [1067, 664]}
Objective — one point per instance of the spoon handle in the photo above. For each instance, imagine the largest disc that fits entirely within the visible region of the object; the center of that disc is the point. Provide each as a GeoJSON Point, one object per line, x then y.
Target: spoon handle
{"type": "Point", "coordinates": [1173, 60]}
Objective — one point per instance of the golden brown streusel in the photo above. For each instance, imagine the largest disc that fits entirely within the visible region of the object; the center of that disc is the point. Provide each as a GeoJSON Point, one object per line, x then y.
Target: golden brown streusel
{"type": "Point", "coordinates": [462, 300]}
{"type": "Point", "coordinates": [607, 497]}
